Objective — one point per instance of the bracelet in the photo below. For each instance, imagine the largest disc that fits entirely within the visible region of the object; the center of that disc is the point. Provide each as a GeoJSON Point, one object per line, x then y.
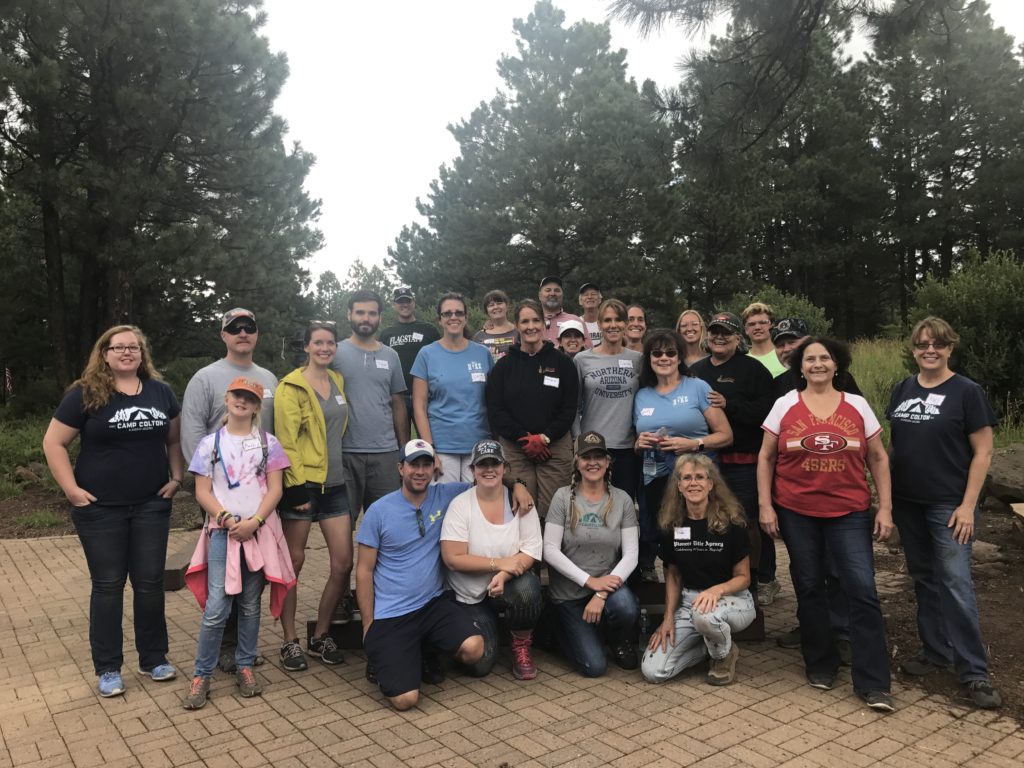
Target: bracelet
{"type": "Point", "coordinates": [493, 569]}
{"type": "Point", "coordinates": [259, 520]}
{"type": "Point", "coordinates": [220, 516]}
{"type": "Point", "coordinates": [600, 596]}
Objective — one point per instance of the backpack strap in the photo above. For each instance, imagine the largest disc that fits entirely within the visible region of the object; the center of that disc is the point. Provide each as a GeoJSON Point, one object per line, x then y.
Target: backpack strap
{"type": "Point", "coordinates": [262, 468]}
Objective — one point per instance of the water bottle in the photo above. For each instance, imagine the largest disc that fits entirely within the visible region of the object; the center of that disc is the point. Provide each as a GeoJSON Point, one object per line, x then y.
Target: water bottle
{"type": "Point", "coordinates": [653, 455]}
{"type": "Point", "coordinates": [645, 628]}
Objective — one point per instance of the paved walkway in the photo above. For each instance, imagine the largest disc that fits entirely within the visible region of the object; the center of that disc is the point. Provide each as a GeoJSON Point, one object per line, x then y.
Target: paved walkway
{"type": "Point", "coordinates": [50, 714]}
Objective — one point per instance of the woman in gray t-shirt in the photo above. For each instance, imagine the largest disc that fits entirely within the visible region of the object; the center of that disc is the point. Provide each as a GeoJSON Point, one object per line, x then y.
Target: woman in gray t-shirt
{"type": "Point", "coordinates": [590, 545]}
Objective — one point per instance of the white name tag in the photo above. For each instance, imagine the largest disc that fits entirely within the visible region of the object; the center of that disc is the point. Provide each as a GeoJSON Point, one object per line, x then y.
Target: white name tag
{"type": "Point", "coordinates": [625, 363]}
{"type": "Point", "coordinates": [339, 399]}
{"type": "Point", "coordinates": [417, 337]}
{"type": "Point", "coordinates": [267, 393]}
{"type": "Point", "coordinates": [477, 376]}
{"type": "Point", "coordinates": [646, 411]}
{"type": "Point", "coordinates": [550, 381]}
{"type": "Point", "coordinates": [383, 364]}
{"type": "Point", "coordinates": [682, 534]}
{"type": "Point", "coordinates": [250, 444]}
{"type": "Point", "coordinates": [934, 399]}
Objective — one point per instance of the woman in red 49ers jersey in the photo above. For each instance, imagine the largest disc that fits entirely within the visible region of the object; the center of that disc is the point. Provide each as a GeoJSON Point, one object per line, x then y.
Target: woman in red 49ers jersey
{"type": "Point", "coordinates": [813, 491]}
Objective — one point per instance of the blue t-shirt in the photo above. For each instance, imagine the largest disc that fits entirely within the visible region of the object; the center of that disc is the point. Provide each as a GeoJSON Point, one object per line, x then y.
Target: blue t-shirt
{"type": "Point", "coordinates": [680, 411]}
{"type": "Point", "coordinates": [455, 394]}
{"type": "Point", "coordinates": [409, 572]}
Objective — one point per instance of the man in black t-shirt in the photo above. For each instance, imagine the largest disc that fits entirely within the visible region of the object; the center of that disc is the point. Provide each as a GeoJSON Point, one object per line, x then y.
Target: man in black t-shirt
{"type": "Point", "coordinates": [407, 337]}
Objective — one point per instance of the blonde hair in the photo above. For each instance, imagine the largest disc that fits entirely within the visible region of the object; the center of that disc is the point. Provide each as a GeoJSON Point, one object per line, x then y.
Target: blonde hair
{"type": "Point", "coordinates": [97, 381]}
{"type": "Point", "coordinates": [938, 328]}
{"type": "Point", "coordinates": [724, 509]}
{"type": "Point", "coordinates": [575, 513]}
{"type": "Point", "coordinates": [703, 326]}
{"type": "Point", "coordinates": [757, 308]}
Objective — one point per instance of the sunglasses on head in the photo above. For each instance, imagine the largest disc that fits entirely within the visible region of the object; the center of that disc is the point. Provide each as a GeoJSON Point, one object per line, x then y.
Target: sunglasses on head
{"type": "Point", "coordinates": [666, 352]}
{"type": "Point", "coordinates": [235, 329]}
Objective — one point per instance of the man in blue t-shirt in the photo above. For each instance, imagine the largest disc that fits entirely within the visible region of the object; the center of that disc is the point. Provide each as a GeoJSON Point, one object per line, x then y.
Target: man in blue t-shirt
{"type": "Point", "coordinates": [400, 581]}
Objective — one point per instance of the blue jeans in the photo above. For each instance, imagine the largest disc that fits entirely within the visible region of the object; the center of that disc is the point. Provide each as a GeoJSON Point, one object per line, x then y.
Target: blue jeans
{"type": "Point", "coordinates": [947, 610]}
{"type": "Point", "coordinates": [123, 543]}
{"type": "Point", "coordinates": [522, 603]}
{"type": "Point", "coordinates": [583, 644]}
{"type": "Point", "coordinates": [742, 481]}
{"type": "Point", "coordinates": [218, 606]}
{"type": "Point", "coordinates": [848, 539]}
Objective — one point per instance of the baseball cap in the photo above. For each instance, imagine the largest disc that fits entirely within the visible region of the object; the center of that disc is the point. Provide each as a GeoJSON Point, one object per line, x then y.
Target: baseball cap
{"type": "Point", "coordinates": [588, 287]}
{"type": "Point", "coordinates": [727, 320]}
{"type": "Point", "coordinates": [404, 292]}
{"type": "Point", "coordinates": [242, 384]}
{"type": "Point", "coordinates": [551, 279]}
{"type": "Point", "coordinates": [571, 325]}
{"type": "Point", "coordinates": [589, 442]}
{"type": "Point", "coordinates": [414, 449]}
{"type": "Point", "coordinates": [234, 314]}
{"type": "Point", "coordinates": [789, 328]}
{"type": "Point", "coordinates": [487, 450]}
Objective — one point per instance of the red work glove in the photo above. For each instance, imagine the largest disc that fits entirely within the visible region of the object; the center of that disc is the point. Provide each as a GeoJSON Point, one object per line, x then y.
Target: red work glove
{"type": "Point", "coordinates": [535, 448]}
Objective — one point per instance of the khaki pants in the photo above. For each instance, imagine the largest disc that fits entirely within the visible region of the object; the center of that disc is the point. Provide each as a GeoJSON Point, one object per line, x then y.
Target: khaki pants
{"type": "Point", "coordinates": [543, 479]}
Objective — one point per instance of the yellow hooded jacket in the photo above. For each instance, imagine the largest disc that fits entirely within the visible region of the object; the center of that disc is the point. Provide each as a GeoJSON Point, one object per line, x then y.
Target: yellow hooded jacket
{"type": "Point", "coordinates": [300, 427]}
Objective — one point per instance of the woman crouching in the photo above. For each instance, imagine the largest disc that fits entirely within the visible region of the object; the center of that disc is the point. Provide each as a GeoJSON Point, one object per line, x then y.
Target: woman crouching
{"type": "Point", "coordinates": [706, 552]}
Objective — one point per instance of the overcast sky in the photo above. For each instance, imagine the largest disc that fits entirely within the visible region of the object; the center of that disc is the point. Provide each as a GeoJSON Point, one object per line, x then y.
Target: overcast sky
{"type": "Point", "coordinates": [374, 85]}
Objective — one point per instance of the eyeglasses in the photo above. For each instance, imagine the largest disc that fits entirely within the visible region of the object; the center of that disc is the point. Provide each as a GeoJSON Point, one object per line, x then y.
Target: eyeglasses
{"type": "Point", "coordinates": [936, 345]}
{"type": "Point", "coordinates": [419, 522]}
{"type": "Point", "coordinates": [664, 353]}
{"type": "Point", "coordinates": [120, 349]}
{"type": "Point", "coordinates": [450, 313]}
{"type": "Point", "coordinates": [234, 330]}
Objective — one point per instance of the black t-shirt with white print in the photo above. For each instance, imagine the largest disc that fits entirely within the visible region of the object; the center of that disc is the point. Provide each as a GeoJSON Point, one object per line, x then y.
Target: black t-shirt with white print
{"type": "Point", "coordinates": [704, 558]}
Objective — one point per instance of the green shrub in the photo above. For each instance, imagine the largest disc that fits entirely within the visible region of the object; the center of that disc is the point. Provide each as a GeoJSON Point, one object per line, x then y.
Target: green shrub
{"type": "Point", "coordinates": [38, 520]}
{"type": "Point", "coordinates": [783, 305]}
{"type": "Point", "coordinates": [878, 366]}
{"type": "Point", "coordinates": [984, 302]}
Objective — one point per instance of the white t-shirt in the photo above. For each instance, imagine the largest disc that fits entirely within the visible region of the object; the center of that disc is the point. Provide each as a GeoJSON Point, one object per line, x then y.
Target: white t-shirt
{"type": "Point", "coordinates": [239, 489]}
{"type": "Point", "coordinates": [465, 521]}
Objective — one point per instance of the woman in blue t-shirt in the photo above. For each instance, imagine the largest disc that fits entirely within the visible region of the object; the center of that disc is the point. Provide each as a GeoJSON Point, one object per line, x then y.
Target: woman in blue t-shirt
{"type": "Point", "coordinates": [940, 453]}
{"type": "Point", "coordinates": [129, 467]}
{"type": "Point", "coordinates": [448, 381]}
{"type": "Point", "coordinates": [673, 416]}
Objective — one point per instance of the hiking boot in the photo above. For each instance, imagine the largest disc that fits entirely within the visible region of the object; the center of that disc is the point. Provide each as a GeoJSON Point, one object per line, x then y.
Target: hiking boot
{"type": "Point", "coordinates": [160, 672]}
{"type": "Point", "coordinates": [845, 651]}
{"type": "Point", "coordinates": [226, 662]}
{"type": "Point", "coordinates": [343, 610]}
{"type": "Point", "coordinates": [110, 684]}
{"type": "Point", "coordinates": [292, 657]}
{"type": "Point", "coordinates": [649, 575]}
{"type": "Point", "coordinates": [523, 667]}
{"type": "Point", "coordinates": [821, 680]}
{"type": "Point", "coordinates": [767, 592]}
{"type": "Point", "coordinates": [880, 701]}
{"type": "Point", "coordinates": [984, 695]}
{"type": "Point", "coordinates": [723, 671]}
{"type": "Point", "coordinates": [197, 694]}
{"type": "Point", "coordinates": [248, 685]}
{"type": "Point", "coordinates": [325, 649]}
{"type": "Point", "coordinates": [431, 671]}
{"type": "Point", "coordinates": [371, 674]}
{"type": "Point", "coordinates": [625, 656]}
{"type": "Point", "coordinates": [789, 639]}
{"type": "Point", "coordinates": [920, 665]}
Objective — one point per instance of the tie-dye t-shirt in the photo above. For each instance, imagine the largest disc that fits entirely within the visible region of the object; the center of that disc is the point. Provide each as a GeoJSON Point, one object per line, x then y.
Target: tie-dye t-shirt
{"type": "Point", "coordinates": [236, 483]}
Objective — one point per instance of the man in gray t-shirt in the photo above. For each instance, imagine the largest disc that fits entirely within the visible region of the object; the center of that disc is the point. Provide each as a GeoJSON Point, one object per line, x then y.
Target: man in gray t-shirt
{"type": "Point", "coordinates": [375, 389]}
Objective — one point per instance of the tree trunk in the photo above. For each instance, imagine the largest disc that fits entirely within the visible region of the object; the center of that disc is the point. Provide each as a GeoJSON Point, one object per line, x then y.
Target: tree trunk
{"type": "Point", "coordinates": [57, 323]}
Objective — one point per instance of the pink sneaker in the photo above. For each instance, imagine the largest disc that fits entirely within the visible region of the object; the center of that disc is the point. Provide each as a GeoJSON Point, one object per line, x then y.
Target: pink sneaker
{"type": "Point", "coordinates": [522, 664]}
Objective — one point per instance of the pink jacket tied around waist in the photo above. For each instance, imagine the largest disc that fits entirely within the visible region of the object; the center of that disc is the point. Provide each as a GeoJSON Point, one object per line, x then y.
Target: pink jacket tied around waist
{"type": "Point", "coordinates": [267, 551]}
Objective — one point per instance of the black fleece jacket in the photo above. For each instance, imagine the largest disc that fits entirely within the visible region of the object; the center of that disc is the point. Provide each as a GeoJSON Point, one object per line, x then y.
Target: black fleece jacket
{"type": "Point", "coordinates": [532, 394]}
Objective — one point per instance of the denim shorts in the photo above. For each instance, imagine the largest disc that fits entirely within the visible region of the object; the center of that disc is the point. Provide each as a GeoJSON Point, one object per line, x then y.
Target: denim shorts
{"type": "Point", "coordinates": [324, 503]}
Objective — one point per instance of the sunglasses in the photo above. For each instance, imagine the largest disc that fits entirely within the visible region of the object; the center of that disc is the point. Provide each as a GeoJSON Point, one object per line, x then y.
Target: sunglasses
{"type": "Point", "coordinates": [234, 330]}
{"type": "Point", "coordinates": [664, 353]}
{"type": "Point", "coordinates": [448, 314]}
{"type": "Point", "coordinates": [937, 345]}
{"type": "Point", "coordinates": [419, 522]}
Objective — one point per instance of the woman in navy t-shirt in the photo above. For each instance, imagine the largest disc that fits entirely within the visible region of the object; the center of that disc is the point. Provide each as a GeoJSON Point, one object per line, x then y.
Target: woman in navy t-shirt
{"type": "Point", "coordinates": [129, 467]}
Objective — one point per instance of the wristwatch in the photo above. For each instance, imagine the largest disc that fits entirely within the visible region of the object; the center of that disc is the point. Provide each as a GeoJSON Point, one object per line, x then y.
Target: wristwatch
{"type": "Point", "coordinates": [700, 445]}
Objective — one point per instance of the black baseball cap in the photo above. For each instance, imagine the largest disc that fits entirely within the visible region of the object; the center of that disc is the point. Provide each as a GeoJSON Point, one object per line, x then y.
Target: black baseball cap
{"type": "Point", "coordinates": [589, 442]}
{"type": "Point", "coordinates": [726, 320]}
{"type": "Point", "coordinates": [551, 279]}
{"type": "Point", "coordinates": [588, 287]}
{"type": "Point", "coordinates": [404, 292]}
{"type": "Point", "coordinates": [487, 450]}
{"type": "Point", "coordinates": [789, 328]}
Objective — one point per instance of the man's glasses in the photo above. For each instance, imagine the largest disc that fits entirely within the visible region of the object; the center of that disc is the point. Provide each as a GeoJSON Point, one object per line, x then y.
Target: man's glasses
{"type": "Point", "coordinates": [664, 353]}
{"type": "Point", "coordinates": [419, 522]}
{"type": "Point", "coordinates": [234, 330]}
{"type": "Point", "coordinates": [120, 349]}
{"type": "Point", "coordinates": [921, 345]}
{"type": "Point", "coordinates": [452, 313]}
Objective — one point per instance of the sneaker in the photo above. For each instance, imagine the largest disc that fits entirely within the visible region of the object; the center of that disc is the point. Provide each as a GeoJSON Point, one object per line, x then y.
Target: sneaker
{"type": "Point", "coordinates": [325, 649]}
{"type": "Point", "coordinates": [160, 672]}
{"type": "Point", "coordinates": [343, 610]}
{"type": "Point", "coordinates": [723, 671]}
{"type": "Point", "coordinates": [845, 650]}
{"type": "Point", "coordinates": [625, 656]}
{"type": "Point", "coordinates": [371, 674]}
{"type": "Point", "coordinates": [431, 671]}
{"type": "Point", "coordinates": [110, 684]}
{"type": "Point", "coordinates": [226, 662]}
{"type": "Point", "coordinates": [767, 591]}
{"type": "Point", "coordinates": [789, 639]}
{"type": "Point", "coordinates": [523, 667]}
{"type": "Point", "coordinates": [821, 680]}
{"type": "Point", "coordinates": [248, 685]}
{"type": "Point", "coordinates": [984, 695]}
{"type": "Point", "coordinates": [197, 694]}
{"type": "Point", "coordinates": [292, 657]}
{"type": "Point", "coordinates": [880, 701]}
{"type": "Point", "coordinates": [920, 665]}
{"type": "Point", "coordinates": [649, 575]}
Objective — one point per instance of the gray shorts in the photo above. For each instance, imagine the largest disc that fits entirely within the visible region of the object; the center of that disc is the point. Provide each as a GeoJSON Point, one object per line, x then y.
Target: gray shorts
{"type": "Point", "coordinates": [368, 476]}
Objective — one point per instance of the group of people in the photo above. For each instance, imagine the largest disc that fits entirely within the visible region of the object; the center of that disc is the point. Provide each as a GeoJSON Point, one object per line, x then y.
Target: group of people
{"type": "Point", "coordinates": [581, 441]}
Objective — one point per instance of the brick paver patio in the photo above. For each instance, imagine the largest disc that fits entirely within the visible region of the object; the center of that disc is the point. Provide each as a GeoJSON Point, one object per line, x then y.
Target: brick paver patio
{"type": "Point", "coordinates": [50, 714]}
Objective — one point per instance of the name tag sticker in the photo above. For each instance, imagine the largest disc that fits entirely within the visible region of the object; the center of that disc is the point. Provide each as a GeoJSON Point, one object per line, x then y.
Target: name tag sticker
{"type": "Point", "coordinates": [550, 381]}
{"type": "Point", "coordinates": [477, 376]}
{"type": "Point", "coordinates": [934, 399]}
{"type": "Point", "coordinates": [417, 337]}
{"type": "Point", "coordinates": [625, 363]}
{"type": "Point", "coordinates": [681, 534]}
{"type": "Point", "coordinates": [383, 364]}
{"type": "Point", "coordinates": [646, 411]}
{"type": "Point", "coordinates": [339, 399]}
{"type": "Point", "coordinates": [251, 444]}
{"type": "Point", "coordinates": [267, 393]}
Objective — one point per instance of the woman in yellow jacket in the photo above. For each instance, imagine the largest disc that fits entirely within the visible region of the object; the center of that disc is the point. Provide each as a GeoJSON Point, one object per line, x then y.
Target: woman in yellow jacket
{"type": "Point", "coordinates": [310, 416]}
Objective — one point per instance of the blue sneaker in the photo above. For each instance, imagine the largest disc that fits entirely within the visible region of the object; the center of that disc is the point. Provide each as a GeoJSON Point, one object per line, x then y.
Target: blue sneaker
{"type": "Point", "coordinates": [111, 684]}
{"type": "Point", "coordinates": [160, 672]}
